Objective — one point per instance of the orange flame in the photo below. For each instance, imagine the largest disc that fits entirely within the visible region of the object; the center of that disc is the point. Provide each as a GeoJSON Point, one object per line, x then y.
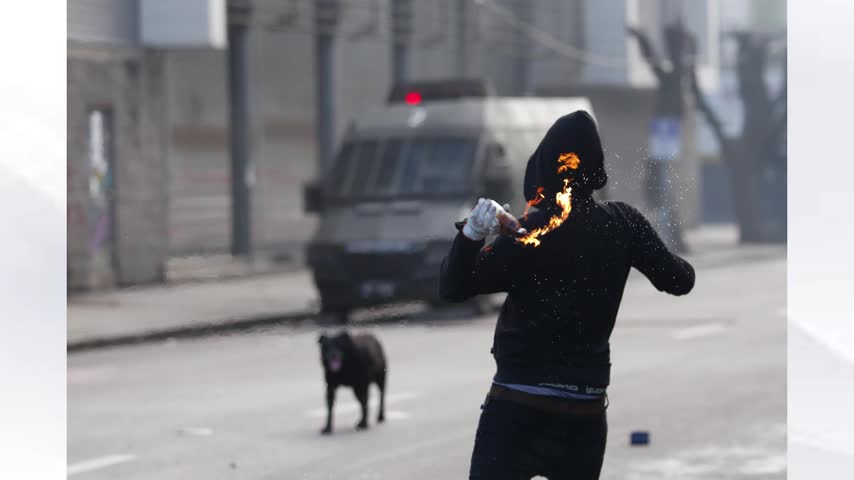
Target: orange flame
{"type": "Point", "coordinates": [539, 198]}
{"type": "Point", "coordinates": [567, 161]}
{"type": "Point", "coordinates": [563, 199]}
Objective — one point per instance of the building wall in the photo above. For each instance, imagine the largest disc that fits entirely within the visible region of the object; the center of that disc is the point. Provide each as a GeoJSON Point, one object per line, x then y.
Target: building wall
{"type": "Point", "coordinates": [187, 23]}
{"type": "Point", "coordinates": [198, 172]}
{"type": "Point", "coordinates": [433, 53]}
{"type": "Point", "coordinates": [113, 22]}
{"type": "Point", "coordinates": [282, 112]}
{"type": "Point", "coordinates": [126, 83]}
{"type": "Point", "coordinates": [171, 113]}
{"type": "Point", "coordinates": [282, 144]}
{"type": "Point", "coordinates": [282, 116]}
{"type": "Point", "coordinates": [605, 38]}
{"type": "Point", "coordinates": [564, 20]}
{"type": "Point", "coordinates": [282, 80]}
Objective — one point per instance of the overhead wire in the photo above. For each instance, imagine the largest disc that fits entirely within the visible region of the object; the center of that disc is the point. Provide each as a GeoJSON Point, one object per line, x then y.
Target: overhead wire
{"type": "Point", "coordinates": [383, 35]}
{"type": "Point", "coordinates": [383, 31]}
{"type": "Point", "coordinates": [547, 40]}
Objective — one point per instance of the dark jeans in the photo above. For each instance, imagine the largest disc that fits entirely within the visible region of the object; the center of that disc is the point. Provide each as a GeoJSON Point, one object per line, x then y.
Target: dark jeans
{"type": "Point", "coordinates": [516, 442]}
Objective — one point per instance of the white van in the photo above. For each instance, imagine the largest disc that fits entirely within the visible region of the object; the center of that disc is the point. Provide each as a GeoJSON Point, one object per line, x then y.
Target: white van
{"type": "Point", "coordinates": [404, 173]}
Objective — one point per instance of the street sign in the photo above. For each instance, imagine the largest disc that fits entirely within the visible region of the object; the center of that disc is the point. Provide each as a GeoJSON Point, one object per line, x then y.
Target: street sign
{"type": "Point", "coordinates": [664, 139]}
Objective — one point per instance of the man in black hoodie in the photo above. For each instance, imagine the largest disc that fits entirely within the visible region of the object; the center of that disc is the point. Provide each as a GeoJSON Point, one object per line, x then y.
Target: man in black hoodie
{"type": "Point", "coordinates": [545, 412]}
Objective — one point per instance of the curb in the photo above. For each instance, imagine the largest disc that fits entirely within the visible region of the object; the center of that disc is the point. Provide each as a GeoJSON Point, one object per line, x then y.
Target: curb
{"type": "Point", "coordinates": [187, 331]}
{"type": "Point", "coordinates": [238, 324]}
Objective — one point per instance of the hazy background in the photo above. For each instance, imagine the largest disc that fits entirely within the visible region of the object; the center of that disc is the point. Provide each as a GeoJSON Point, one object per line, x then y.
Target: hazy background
{"type": "Point", "coordinates": [193, 355]}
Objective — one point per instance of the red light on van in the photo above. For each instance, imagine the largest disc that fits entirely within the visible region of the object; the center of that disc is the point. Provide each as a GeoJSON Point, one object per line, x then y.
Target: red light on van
{"type": "Point", "coordinates": [413, 98]}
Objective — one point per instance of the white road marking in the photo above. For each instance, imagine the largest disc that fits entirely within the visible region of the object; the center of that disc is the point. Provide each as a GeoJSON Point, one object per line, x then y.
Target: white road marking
{"type": "Point", "coordinates": [196, 431]}
{"type": "Point", "coordinates": [697, 331]}
{"type": "Point", "coordinates": [99, 463]}
{"type": "Point", "coordinates": [396, 415]}
{"type": "Point", "coordinates": [83, 375]}
{"type": "Point", "coordinates": [352, 406]}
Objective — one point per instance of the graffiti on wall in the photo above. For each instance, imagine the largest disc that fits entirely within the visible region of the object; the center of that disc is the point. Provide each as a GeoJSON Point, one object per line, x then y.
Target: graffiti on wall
{"type": "Point", "coordinates": [100, 201]}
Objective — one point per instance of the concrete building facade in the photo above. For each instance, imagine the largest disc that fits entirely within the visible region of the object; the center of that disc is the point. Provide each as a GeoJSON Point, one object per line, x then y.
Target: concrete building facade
{"type": "Point", "coordinates": [117, 147]}
{"type": "Point", "coordinates": [116, 201]}
{"type": "Point", "coordinates": [163, 104]}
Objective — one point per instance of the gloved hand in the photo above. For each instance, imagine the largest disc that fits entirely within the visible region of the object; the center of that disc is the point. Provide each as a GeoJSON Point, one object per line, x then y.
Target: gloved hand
{"type": "Point", "coordinates": [483, 219]}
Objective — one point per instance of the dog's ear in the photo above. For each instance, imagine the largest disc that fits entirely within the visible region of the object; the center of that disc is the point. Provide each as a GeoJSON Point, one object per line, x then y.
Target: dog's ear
{"type": "Point", "coordinates": [322, 339]}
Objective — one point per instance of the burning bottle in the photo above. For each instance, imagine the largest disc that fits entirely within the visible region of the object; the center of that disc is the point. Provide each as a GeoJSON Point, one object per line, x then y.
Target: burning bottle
{"type": "Point", "coordinates": [508, 225]}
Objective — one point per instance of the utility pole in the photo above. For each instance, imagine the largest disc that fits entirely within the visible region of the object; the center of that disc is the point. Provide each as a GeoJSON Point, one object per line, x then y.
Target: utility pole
{"type": "Point", "coordinates": [689, 168]}
{"type": "Point", "coordinates": [521, 63]}
{"type": "Point", "coordinates": [401, 36]}
{"type": "Point", "coordinates": [462, 38]}
{"type": "Point", "coordinates": [326, 13]}
{"type": "Point", "coordinates": [239, 13]}
{"type": "Point", "coordinates": [667, 127]}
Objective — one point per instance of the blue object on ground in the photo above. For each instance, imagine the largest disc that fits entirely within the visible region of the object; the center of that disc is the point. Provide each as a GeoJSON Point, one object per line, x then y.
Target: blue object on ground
{"type": "Point", "coordinates": [640, 437]}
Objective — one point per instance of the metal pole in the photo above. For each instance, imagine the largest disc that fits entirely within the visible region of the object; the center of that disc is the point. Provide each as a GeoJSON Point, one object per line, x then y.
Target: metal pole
{"type": "Point", "coordinates": [520, 60]}
{"type": "Point", "coordinates": [326, 18]}
{"type": "Point", "coordinates": [238, 99]}
{"type": "Point", "coordinates": [688, 169]}
{"type": "Point", "coordinates": [401, 28]}
{"type": "Point", "coordinates": [462, 39]}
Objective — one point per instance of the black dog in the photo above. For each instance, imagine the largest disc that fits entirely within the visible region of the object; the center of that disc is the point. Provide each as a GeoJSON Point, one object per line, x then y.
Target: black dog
{"type": "Point", "coordinates": [355, 361]}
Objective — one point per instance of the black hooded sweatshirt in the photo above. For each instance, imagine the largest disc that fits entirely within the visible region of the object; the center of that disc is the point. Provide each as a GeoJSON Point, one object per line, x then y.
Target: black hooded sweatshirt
{"type": "Point", "coordinates": [563, 296]}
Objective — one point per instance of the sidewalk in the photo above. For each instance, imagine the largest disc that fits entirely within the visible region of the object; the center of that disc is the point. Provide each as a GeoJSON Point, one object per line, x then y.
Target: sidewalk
{"type": "Point", "coordinates": [153, 312]}
{"type": "Point", "coordinates": [717, 245]}
{"type": "Point", "coordinates": [159, 312]}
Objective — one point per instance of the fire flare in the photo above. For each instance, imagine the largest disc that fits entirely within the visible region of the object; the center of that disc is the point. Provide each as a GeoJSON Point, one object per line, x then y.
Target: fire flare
{"type": "Point", "coordinates": [539, 198]}
{"type": "Point", "coordinates": [567, 161]}
{"type": "Point", "coordinates": [563, 199]}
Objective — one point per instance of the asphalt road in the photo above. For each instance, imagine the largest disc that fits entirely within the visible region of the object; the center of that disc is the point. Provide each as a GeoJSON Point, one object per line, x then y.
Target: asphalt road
{"type": "Point", "coordinates": [704, 374]}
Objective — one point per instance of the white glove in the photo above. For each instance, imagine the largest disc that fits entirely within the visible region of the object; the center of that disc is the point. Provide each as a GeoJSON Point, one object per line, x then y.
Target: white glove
{"type": "Point", "coordinates": [483, 219]}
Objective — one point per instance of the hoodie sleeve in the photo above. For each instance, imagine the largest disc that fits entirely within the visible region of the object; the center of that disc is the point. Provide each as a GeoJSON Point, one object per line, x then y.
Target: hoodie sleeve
{"type": "Point", "coordinates": [473, 269]}
{"type": "Point", "coordinates": [667, 271]}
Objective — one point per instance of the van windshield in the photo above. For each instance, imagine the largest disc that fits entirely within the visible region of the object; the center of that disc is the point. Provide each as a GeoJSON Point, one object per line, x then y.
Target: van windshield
{"type": "Point", "coordinates": [419, 167]}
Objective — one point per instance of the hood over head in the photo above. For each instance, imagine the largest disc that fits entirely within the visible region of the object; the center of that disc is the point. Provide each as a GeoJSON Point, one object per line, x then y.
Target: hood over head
{"type": "Point", "coordinates": [572, 133]}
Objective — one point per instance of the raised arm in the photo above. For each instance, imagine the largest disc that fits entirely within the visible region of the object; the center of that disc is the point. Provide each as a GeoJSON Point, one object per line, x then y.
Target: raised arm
{"type": "Point", "coordinates": [667, 271]}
